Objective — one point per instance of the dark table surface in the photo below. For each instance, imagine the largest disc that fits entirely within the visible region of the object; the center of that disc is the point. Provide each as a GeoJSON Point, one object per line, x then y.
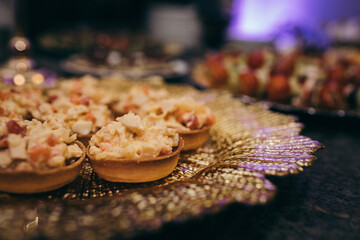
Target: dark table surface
{"type": "Point", "coordinates": [322, 202]}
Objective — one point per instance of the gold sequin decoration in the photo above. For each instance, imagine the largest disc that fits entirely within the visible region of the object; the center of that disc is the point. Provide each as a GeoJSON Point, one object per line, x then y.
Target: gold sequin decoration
{"type": "Point", "coordinates": [246, 143]}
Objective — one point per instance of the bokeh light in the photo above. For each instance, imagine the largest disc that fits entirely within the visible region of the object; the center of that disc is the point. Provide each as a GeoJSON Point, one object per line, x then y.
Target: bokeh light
{"type": "Point", "coordinates": [37, 78]}
{"type": "Point", "coordinates": [20, 45]}
{"type": "Point", "coordinates": [21, 67]}
{"type": "Point", "coordinates": [19, 79]}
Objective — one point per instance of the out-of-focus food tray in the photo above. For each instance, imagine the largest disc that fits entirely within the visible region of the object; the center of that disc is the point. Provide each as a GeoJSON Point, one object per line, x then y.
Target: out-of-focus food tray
{"type": "Point", "coordinates": [166, 69]}
{"type": "Point", "coordinates": [308, 111]}
{"type": "Point", "coordinates": [247, 143]}
{"type": "Point", "coordinates": [326, 84]}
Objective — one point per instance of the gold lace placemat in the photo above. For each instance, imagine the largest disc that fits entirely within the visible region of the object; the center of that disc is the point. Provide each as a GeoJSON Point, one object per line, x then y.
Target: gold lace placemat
{"type": "Point", "coordinates": [247, 143]}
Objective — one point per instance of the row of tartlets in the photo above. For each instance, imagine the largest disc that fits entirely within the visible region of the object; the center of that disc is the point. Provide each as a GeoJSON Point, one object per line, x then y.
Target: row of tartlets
{"type": "Point", "coordinates": [135, 136]}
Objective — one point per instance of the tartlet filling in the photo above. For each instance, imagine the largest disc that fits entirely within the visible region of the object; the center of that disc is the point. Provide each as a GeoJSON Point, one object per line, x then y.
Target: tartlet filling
{"type": "Point", "coordinates": [84, 86]}
{"type": "Point", "coordinates": [81, 114]}
{"type": "Point", "coordinates": [31, 145]}
{"type": "Point", "coordinates": [182, 114]}
{"type": "Point", "coordinates": [137, 97]}
{"type": "Point", "coordinates": [130, 137]}
{"type": "Point", "coordinates": [24, 101]}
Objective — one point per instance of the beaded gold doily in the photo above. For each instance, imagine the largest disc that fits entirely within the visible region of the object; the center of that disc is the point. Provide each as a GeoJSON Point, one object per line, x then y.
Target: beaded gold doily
{"type": "Point", "coordinates": [247, 143]}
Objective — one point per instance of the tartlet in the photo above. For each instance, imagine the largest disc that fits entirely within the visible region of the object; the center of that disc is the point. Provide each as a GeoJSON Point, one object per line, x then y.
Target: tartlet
{"type": "Point", "coordinates": [191, 119]}
{"type": "Point", "coordinates": [195, 138]}
{"type": "Point", "coordinates": [37, 157]}
{"type": "Point", "coordinates": [133, 150]}
{"type": "Point", "coordinates": [136, 171]}
{"type": "Point", "coordinates": [37, 181]}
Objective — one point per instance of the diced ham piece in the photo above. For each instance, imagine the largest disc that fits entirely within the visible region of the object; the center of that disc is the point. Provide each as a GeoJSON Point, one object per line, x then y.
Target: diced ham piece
{"type": "Point", "coordinates": [39, 153]}
{"type": "Point", "coordinates": [4, 96]}
{"type": "Point", "coordinates": [146, 90]}
{"type": "Point", "coordinates": [90, 117]}
{"type": "Point", "coordinates": [14, 128]}
{"type": "Point", "coordinates": [13, 90]}
{"type": "Point", "coordinates": [80, 100]}
{"type": "Point", "coordinates": [105, 146]}
{"type": "Point", "coordinates": [52, 98]}
{"type": "Point", "coordinates": [130, 107]}
{"type": "Point", "coordinates": [192, 121]}
{"type": "Point", "coordinates": [52, 140]}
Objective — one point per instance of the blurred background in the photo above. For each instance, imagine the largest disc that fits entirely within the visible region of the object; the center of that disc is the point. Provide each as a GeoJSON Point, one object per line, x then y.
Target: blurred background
{"type": "Point", "coordinates": [189, 23]}
{"type": "Point", "coordinates": [253, 47]}
{"type": "Point", "coordinates": [243, 19]}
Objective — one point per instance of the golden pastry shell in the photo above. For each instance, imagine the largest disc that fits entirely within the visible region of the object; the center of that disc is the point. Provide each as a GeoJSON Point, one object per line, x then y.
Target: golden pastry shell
{"type": "Point", "coordinates": [135, 171]}
{"type": "Point", "coordinates": [194, 138]}
{"type": "Point", "coordinates": [38, 181]}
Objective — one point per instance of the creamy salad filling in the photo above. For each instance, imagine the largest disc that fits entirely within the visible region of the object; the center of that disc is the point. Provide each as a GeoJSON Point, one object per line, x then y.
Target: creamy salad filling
{"type": "Point", "coordinates": [29, 145]}
{"type": "Point", "coordinates": [84, 86]}
{"type": "Point", "coordinates": [130, 137]}
{"type": "Point", "coordinates": [77, 107]}
{"type": "Point", "coordinates": [182, 114]}
{"type": "Point", "coordinates": [24, 101]}
{"type": "Point", "coordinates": [137, 97]}
{"type": "Point", "coordinates": [82, 115]}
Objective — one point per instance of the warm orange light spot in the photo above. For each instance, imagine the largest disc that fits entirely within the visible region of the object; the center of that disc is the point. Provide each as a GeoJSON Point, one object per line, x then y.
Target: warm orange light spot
{"type": "Point", "coordinates": [19, 79]}
{"type": "Point", "coordinates": [37, 78]}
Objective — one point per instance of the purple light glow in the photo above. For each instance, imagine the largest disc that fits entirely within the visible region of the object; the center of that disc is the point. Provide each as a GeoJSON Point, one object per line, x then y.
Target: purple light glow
{"type": "Point", "coordinates": [257, 20]}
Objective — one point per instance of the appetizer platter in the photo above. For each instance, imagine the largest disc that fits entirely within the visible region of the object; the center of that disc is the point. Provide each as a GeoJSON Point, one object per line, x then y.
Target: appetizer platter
{"type": "Point", "coordinates": [102, 53]}
{"type": "Point", "coordinates": [106, 53]}
{"type": "Point", "coordinates": [90, 41]}
{"type": "Point", "coordinates": [324, 84]}
{"type": "Point", "coordinates": [165, 153]}
{"type": "Point", "coordinates": [140, 66]}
